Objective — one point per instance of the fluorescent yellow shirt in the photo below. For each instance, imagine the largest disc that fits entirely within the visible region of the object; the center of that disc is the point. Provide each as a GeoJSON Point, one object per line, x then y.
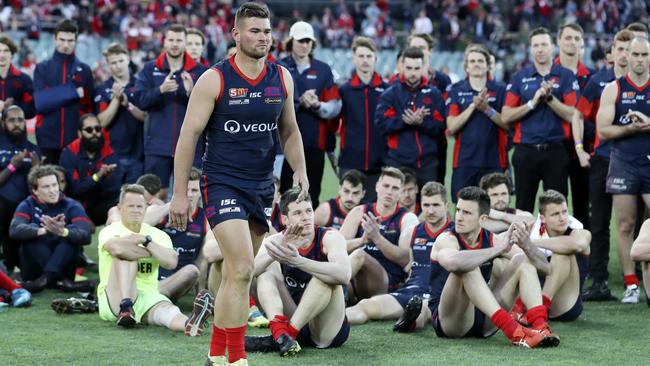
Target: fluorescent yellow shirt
{"type": "Point", "coordinates": [146, 277]}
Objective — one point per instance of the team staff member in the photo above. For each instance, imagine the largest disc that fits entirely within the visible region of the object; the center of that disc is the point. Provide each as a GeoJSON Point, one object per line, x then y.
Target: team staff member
{"type": "Point", "coordinates": [540, 100]}
{"type": "Point", "coordinates": [319, 103]}
{"type": "Point", "coordinates": [195, 42]}
{"type": "Point", "coordinates": [238, 171]}
{"type": "Point", "coordinates": [63, 91]}
{"type": "Point", "coordinates": [623, 118]}
{"type": "Point", "coordinates": [92, 170]}
{"type": "Point", "coordinates": [17, 157]}
{"type": "Point", "coordinates": [439, 80]}
{"type": "Point", "coordinates": [598, 164]}
{"type": "Point", "coordinates": [163, 88]}
{"type": "Point", "coordinates": [16, 87]}
{"type": "Point", "coordinates": [51, 229]}
{"type": "Point", "coordinates": [121, 118]}
{"type": "Point", "coordinates": [411, 116]}
{"type": "Point", "coordinates": [570, 40]}
{"type": "Point", "coordinates": [474, 106]}
{"type": "Point", "coordinates": [362, 144]}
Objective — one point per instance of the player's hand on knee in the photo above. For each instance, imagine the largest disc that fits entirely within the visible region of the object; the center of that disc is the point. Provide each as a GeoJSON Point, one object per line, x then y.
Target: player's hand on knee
{"type": "Point", "coordinates": [179, 212]}
{"type": "Point", "coordinates": [300, 180]}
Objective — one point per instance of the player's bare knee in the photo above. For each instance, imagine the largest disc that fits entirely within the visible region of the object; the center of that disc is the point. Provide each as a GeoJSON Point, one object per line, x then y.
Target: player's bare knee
{"type": "Point", "coordinates": [238, 272]}
{"type": "Point", "coordinates": [190, 272]}
{"type": "Point", "coordinates": [626, 225]}
{"type": "Point", "coordinates": [636, 253]}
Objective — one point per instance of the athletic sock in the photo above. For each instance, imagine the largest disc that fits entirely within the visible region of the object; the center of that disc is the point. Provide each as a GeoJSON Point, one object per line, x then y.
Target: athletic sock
{"type": "Point", "coordinates": [504, 321]}
{"type": "Point", "coordinates": [251, 301]}
{"type": "Point", "coordinates": [293, 332]}
{"type": "Point", "coordinates": [630, 280]}
{"type": "Point", "coordinates": [235, 343]}
{"type": "Point", "coordinates": [278, 326]}
{"type": "Point", "coordinates": [217, 342]}
{"type": "Point", "coordinates": [7, 283]}
{"type": "Point", "coordinates": [537, 315]}
{"type": "Point", "coordinates": [519, 305]}
{"type": "Point", "coordinates": [547, 302]}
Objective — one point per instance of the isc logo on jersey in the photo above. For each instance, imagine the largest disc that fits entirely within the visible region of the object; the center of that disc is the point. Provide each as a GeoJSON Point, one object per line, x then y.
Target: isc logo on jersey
{"type": "Point", "coordinates": [233, 127]}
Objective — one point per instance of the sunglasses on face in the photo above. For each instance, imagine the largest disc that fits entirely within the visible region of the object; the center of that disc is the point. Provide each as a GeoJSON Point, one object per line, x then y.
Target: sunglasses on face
{"type": "Point", "coordinates": [91, 129]}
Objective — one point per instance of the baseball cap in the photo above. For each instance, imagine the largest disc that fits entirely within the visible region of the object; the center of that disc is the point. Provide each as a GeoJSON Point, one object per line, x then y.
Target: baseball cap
{"type": "Point", "coordinates": [301, 30]}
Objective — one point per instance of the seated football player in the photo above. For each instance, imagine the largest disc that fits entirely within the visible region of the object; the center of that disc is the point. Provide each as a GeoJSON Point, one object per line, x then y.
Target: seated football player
{"type": "Point", "coordinates": [300, 277]}
{"type": "Point", "coordinates": [372, 231]}
{"type": "Point", "coordinates": [420, 239]}
{"type": "Point", "coordinates": [499, 189]}
{"type": "Point", "coordinates": [152, 186]}
{"type": "Point", "coordinates": [567, 251]}
{"type": "Point", "coordinates": [332, 212]}
{"type": "Point", "coordinates": [641, 253]}
{"type": "Point", "coordinates": [130, 253]}
{"type": "Point", "coordinates": [409, 197]}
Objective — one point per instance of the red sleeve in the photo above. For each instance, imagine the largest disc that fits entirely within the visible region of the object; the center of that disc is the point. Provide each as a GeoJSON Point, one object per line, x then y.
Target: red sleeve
{"type": "Point", "coordinates": [512, 100]}
{"type": "Point", "coordinates": [585, 107]}
{"type": "Point", "coordinates": [454, 110]}
{"type": "Point", "coordinates": [331, 93]}
{"type": "Point", "coordinates": [569, 98]}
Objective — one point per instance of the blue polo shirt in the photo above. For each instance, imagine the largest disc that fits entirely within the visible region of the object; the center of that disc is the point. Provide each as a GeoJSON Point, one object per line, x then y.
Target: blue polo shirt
{"type": "Point", "coordinates": [542, 125]}
{"type": "Point", "coordinates": [480, 143]}
{"type": "Point", "coordinates": [590, 102]}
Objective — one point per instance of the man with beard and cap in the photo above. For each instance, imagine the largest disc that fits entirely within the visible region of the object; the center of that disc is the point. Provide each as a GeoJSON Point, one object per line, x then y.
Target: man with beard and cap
{"type": "Point", "coordinates": [92, 169]}
{"type": "Point", "coordinates": [17, 156]}
{"type": "Point", "coordinates": [163, 89]}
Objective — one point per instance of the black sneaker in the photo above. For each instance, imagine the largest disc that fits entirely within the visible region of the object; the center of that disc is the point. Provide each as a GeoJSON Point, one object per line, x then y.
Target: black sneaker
{"type": "Point", "coordinates": [126, 318]}
{"type": "Point", "coordinates": [74, 305]}
{"type": "Point", "coordinates": [260, 344]}
{"type": "Point", "coordinates": [287, 346]}
{"type": "Point", "coordinates": [406, 323]}
{"type": "Point", "coordinates": [599, 291]}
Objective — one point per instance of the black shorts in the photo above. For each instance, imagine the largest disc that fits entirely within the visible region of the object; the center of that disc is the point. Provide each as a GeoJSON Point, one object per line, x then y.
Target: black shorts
{"type": "Point", "coordinates": [404, 294]}
{"type": "Point", "coordinates": [304, 337]}
{"type": "Point", "coordinates": [224, 202]}
{"type": "Point", "coordinates": [476, 331]}
{"type": "Point", "coordinates": [624, 177]}
{"type": "Point", "coordinates": [571, 314]}
{"type": "Point", "coordinates": [162, 166]}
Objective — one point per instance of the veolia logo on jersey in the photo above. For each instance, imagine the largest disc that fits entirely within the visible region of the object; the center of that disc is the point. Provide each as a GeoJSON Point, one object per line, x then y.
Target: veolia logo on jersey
{"type": "Point", "coordinates": [233, 127]}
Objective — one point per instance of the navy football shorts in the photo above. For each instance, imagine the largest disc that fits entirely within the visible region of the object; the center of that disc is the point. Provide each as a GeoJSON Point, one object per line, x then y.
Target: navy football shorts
{"type": "Point", "coordinates": [224, 202]}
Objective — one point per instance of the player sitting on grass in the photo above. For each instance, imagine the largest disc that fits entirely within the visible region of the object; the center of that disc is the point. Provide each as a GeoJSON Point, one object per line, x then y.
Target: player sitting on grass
{"type": "Point", "coordinates": [641, 253]}
{"type": "Point", "coordinates": [300, 273]}
{"type": "Point", "coordinates": [420, 239]}
{"type": "Point", "coordinates": [567, 250]}
{"type": "Point", "coordinates": [130, 253]}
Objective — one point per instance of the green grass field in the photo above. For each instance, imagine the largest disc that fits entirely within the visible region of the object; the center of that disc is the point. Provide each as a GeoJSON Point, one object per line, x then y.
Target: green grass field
{"type": "Point", "coordinates": [606, 334]}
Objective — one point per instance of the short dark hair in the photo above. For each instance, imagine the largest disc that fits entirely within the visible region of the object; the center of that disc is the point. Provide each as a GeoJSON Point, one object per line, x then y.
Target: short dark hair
{"type": "Point", "coordinates": [410, 176]}
{"type": "Point", "coordinates": [38, 172]}
{"type": "Point", "coordinates": [390, 171]}
{"type": "Point", "coordinates": [288, 45]}
{"type": "Point", "coordinates": [549, 197]}
{"type": "Point", "coordinates": [637, 27]}
{"type": "Point", "coordinates": [426, 37]}
{"type": "Point", "coordinates": [539, 31]}
{"type": "Point", "coordinates": [151, 183]}
{"type": "Point", "coordinates": [131, 188]}
{"type": "Point", "coordinates": [197, 32]}
{"type": "Point", "coordinates": [366, 42]}
{"type": "Point", "coordinates": [176, 28]}
{"type": "Point", "coordinates": [575, 26]}
{"type": "Point", "coordinates": [290, 196]}
{"type": "Point", "coordinates": [413, 52]}
{"type": "Point", "coordinates": [66, 26]}
{"type": "Point", "coordinates": [624, 35]}
{"type": "Point", "coordinates": [492, 180]}
{"type": "Point", "coordinates": [431, 189]}
{"type": "Point", "coordinates": [355, 178]}
{"type": "Point", "coordinates": [195, 173]}
{"type": "Point", "coordinates": [251, 10]}
{"type": "Point", "coordinates": [115, 49]}
{"type": "Point", "coordinates": [9, 43]}
{"type": "Point", "coordinates": [86, 116]}
{"type": "Point", "coordinates": [477, 195]}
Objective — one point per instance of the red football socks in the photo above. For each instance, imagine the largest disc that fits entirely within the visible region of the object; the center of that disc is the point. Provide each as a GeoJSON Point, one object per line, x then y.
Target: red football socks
{"type": "Point", "coordinates": [278, 326]}
{"type": "Point", "coordinates": [293, 332]}
{"type": "Point", "coordinates": [217, 341]}
{"type": "Point", "coordinates": [519, 305]}
{"type": "Point", "coordinates": [630, 280]}
{"type": "Point", "coordinates": [504, 321]}
{"type": "Point", "coordinates": [251, 301]}
{"type": "Point", "coordinates": [537, 315]}
{"type": "Point", "coordinates": [235, 343]}
{"type": "Point", "coordinates": [547, 302]}
{"type": "Point", "coordinates": [7, 283]}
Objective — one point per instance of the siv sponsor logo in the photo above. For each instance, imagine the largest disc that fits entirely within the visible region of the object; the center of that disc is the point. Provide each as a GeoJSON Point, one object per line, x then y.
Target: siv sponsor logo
{"type": "Point", "coordinates": [237, 92]}
{"type": "Point", "coordinates": [627, 95]}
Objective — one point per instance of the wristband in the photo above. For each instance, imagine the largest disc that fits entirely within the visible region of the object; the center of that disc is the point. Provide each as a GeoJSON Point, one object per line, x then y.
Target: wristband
{"type": "Point", "coordinates": [65, 232]}
{"type": "Point", "coordinates": [95, 177]}
{"type": "Point", "coordinates": [578, 142]}
{"type": "Point", "coordinates": [530, 105]}
{"type": "Point", "coordinates": [579, 146]}
{"type": "Point", "coordinates": [11, 168]}
{"type": "Point", "coordinates": [490, 112]}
